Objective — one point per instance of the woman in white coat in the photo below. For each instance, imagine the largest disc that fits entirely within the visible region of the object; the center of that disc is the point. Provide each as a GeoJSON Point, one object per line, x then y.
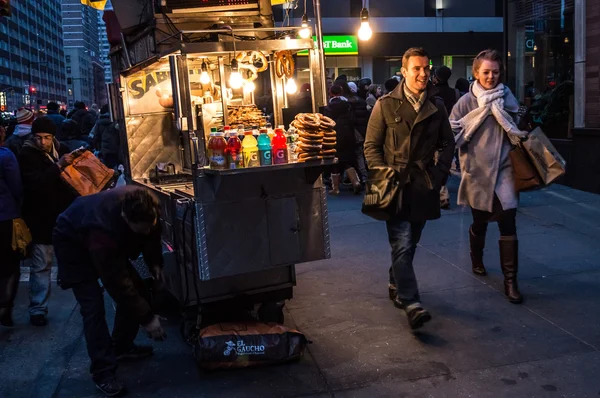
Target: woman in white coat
{"type": "Point", "coordinates": [483, 121]}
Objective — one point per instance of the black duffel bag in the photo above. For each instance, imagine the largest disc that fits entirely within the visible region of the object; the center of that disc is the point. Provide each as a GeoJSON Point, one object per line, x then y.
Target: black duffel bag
{"type": "Point", "coordinates": [245, 344]}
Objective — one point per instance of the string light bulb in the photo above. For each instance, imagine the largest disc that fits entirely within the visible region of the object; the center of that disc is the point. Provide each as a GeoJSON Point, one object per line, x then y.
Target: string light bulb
{"type": "Point", "coordinates": [204, 76]}
{"type": "Point", "coordinates": [291, 87]}
{"type": "Point", "coordinates": [249, 87]}
{"type": "Point", "coordinates": [305, 31]}
{"type": "Point", "coordinates": [235, 79]}
{"type": "Point", "coordinates": [365, 32]}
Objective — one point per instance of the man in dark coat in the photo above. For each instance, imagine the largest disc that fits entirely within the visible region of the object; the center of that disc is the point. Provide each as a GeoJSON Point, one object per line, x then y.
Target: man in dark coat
{"type": "Point", "coordinates": [46, 195]}
{"type": "Point", "coordinates": [84, 118]}
{"type": "Point", "coordinates": [95, 238]}
{"type": "Point", "coordinates": [57, 118]}
{"type": "Point", "coordinates": [405, 130]}
{"type": "Point", "coordinates": [106, 138]}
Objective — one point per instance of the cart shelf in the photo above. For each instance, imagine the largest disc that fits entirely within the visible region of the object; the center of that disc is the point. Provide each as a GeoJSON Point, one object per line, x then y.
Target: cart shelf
{"type": "Point", "coordinates": [277, 167]}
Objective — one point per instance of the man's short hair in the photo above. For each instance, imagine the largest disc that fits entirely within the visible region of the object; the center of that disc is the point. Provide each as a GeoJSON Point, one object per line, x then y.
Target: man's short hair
{"type": "Point", "coordinates": [140, 206]}
{"type": "Point", "coordinates": [413, 52]}
{"type": "Point", "coordinates": [52, 106]}
{"type": "Point", "coordinates": [79, 105]}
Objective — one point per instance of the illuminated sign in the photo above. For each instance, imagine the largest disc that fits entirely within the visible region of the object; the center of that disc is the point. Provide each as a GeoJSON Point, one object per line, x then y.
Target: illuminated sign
{"type": "Point", "coordinates": [337, 45]}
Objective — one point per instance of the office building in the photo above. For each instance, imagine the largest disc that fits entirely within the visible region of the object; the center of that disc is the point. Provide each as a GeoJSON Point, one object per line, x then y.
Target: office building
{"type": "Point", "coordinates": [31, 55]}
{"type": "Point", "coordinates": [104, 45]}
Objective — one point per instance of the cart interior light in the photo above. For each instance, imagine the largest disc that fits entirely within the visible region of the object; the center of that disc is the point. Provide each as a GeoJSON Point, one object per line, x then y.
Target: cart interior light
{"type": "Point", "coordinates": [305, 31]}
{"type": "Point", "coordinates": [291, 87]}
{"type": "Point", "coordinates": [249, 87]}
{"type": "Point", "coordinates": [365, 32]}
{"type": "Point", "coordinates": [204, 76]}
{"type": "Point", "coordinates": [235, 79]}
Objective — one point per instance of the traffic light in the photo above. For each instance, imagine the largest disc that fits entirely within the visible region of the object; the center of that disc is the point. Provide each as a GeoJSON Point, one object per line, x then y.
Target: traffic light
{"type": "Point", "coordinates": [5, 8]}
{"type": "Point", "coordinates": [32, 90]}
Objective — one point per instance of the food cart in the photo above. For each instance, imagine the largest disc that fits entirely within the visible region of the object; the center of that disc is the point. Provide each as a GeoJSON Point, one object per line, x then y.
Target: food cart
{"type": "Point", "coordinates": [230, 235]}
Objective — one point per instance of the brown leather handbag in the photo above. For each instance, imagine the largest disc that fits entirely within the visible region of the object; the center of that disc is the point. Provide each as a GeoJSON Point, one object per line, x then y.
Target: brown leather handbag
{"type": "Point", "coordinates": [87, 175]}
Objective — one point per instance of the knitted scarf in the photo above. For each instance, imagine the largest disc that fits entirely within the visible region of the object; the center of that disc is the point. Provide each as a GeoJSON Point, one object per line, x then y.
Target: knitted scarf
{"type": "Point", "coordinates": [490, 102]}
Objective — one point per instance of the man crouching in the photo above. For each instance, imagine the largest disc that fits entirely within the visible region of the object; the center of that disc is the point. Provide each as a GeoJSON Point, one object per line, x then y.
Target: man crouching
{"type": "Point", "coordinates": [95, 238]}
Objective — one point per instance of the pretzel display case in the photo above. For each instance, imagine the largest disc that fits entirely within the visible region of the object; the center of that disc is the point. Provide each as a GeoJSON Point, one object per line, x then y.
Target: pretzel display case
{"type": "Point", "coordinates": [229, 234]}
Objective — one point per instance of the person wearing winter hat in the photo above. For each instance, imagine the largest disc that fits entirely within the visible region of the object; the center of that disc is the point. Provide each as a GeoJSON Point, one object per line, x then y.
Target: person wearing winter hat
{"type": "Point", "coordinates": [22, 130]}
{"type": "Point", "coordinates": [361, 118]}
{"type": "Point", "coordinates": [353, 87]}
{"type": "Point", "coordinates": [46, 195]}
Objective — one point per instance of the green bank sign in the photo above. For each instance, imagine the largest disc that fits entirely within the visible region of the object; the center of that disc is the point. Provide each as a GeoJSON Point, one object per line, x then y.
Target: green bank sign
{"type": "Point", "coordinates": [337, 45]}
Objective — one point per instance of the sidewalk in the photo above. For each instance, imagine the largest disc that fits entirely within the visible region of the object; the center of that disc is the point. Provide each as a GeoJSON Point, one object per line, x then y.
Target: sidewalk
{"type": "Point", "coordinates": [478, 344]}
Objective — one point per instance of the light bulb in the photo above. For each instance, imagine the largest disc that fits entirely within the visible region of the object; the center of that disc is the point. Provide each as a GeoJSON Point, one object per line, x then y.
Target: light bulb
{"type": "Point", "coordinates": [291, 87]}
{"type": "Point", "coordinates": [235, 79]}
{"type": "Point", "coordinates": [365, 32]}
{"type": "Point", "coordinates": [305, 31]}
{"type": "Point", "coordinates": [249, 87]}
{"type": "Point", "coordinates": [204, 77]}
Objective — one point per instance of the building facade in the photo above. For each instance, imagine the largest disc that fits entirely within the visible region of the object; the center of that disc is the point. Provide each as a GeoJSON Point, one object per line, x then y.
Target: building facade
{"type": "Point", "coordinates": [104, 45]}
{"type": "Point", "coordinates": [452, 32]}
{"type": "Point", "coordinates": [84, 69]}
{"type": "Point", "coordinates": [31, 55]}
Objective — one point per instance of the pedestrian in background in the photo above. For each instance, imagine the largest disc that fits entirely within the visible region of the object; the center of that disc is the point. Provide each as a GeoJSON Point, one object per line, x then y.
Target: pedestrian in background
{"type": "Point", "coordinates": [46, 195]}
{"type": "Point", "coordinates": [414, 110]}
{"type": "Point", "coordinates": [84, 118]}
{"type": "Point", "coordinates": [373, 96]}
{"type": "Point", "coordinates": [482, 120]}
{"type": "Point", "coordinates": [55, 116]}
{"type": "Point", "coordinates": [361, 119]}
{"type": "Point", "coordinates": [390, 85]}
{"type": "Point", "coordinates": [11, 196]}
{"type": "Point", "coordinates": [106, 138]}
{"type": "Point", "coordinates": [462, 85]}
{"type": "Point", "coordinates": [21, 132]}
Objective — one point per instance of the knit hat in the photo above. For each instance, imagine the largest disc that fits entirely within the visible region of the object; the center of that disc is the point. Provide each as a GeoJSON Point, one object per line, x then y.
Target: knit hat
{"type": "Point", "coordinates": [24, 116]}
{"type": "Point", "coordinates": [353, 87]}
{"type": "Point", "coordinates": [443, 73]}
{"type": "Point", "coordinates": [43, 125]}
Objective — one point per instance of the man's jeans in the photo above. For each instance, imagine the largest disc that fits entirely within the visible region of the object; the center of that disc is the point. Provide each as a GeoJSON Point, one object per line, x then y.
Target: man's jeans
{"type": "Point", "coordinates": [42, 259]}
{"type": "Point", "coordinates": [404, 236]}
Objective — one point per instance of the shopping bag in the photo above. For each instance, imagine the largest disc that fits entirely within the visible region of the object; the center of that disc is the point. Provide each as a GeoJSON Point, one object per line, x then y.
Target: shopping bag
{"type": "Point", "coordinates": [87, 175]}
{"type": "Point", "coordinates": [549, 164]}
{"type": "Point", "coordinates": [21, 237]}
{"type": "Point", "coordinates": [525, 175]}
{"type": "Point", "coordinates": [245, 344]}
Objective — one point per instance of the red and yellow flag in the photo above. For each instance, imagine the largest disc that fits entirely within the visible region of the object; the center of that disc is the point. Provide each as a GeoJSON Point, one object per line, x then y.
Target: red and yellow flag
{"type": "Point", "coordinates": [97, 4]}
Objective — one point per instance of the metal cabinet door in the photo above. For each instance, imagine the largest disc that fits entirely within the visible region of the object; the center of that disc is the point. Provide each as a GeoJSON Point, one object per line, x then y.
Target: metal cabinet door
{"type": "Point", "coordinates": [283, 224]}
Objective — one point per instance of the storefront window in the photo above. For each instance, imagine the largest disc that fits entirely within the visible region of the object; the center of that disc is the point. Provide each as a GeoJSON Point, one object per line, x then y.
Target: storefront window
{"type": "Point", "coordinates": [541, 63]}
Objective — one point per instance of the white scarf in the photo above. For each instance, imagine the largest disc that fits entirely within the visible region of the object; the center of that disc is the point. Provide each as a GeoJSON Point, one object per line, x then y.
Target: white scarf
{"type": "Point", "coordinates": [490, 102]}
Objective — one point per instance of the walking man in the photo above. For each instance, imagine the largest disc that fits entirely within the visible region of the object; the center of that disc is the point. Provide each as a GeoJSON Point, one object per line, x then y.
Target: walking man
{"type": "Point", "coordinates": [406, 128]}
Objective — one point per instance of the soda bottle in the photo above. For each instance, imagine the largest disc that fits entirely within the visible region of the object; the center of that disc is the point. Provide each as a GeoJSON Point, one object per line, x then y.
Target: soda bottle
{"type": "Point", "coordinates": [213, 131]}
{"type": "Point", "coordinates": [264, 148]}
{"type": "Point", "coordinates": [217, 145]}
{"type": "Point", "coordinates": [234, 152]}
{"type": "Point", "coordinates": [280, 150]}
{"type": "Point", "coordinates": [250, 150]}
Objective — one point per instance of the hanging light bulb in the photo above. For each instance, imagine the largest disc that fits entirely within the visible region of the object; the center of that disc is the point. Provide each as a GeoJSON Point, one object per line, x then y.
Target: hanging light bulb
{"type": "Point", "coordinates": [204, 76]}
{"type": "Point", "coordinates": [291, 87]}
{"type": "Point", "coordinates": [365, 32]}
{"type": "Point", "coordinates": [566, 40]}
{"type": "Point", "coordinates": [249, 87]}
{"type": "Point", "coordinates": [305, 31]}
{"type": "Point", "coordinates": [535, 48]}
{"type": "Point", "coordinates": [235, 79]}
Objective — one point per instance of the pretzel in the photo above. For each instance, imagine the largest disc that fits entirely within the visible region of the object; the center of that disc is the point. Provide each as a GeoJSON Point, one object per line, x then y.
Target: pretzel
{"type": "Point", "coordinates": [328, 152]}
{"type": "Point", "coordinates": [252, 69]}
{"type": "Point", "coordinates": [251, 57]}
{"type": "Point", "coordinates": [310, 120]}
{"type": "Point", "coordinates": [308, 157]}
{"type": "Point", "coordinates": [310, 135]}
{"type": "Point", "coordinates": [326, 122]}
{"type": "Point", "coordinates": [284, 64]}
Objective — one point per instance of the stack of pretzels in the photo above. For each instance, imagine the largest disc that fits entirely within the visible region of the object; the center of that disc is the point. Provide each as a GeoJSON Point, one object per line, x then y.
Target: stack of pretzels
{"type": "Point", "coordinates": [316, 137]}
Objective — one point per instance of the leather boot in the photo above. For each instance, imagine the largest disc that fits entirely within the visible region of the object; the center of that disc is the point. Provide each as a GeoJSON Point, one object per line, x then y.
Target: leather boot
{"type": "Point", "coordinates": [477, 244]}
{"type": "Point", "coordinates": [335, 184]}
{"type": "Point", "coordinates": [353, 177]}
{"type": "Point", "coordinates": [509, 261]}
{"type": "Point", "coordinates": [8, 292]}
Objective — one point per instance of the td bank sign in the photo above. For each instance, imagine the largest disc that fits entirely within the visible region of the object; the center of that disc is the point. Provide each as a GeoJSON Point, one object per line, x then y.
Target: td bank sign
{"type": "Point", "coordinates": [337, 45]}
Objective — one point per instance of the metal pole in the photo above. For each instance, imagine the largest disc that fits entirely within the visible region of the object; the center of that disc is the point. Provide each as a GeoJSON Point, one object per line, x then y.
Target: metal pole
{"type": "Point", "coordinates": [322, 100]}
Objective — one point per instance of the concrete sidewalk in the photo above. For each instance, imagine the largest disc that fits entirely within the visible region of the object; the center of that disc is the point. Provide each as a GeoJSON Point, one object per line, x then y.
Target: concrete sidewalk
{"type": "Point", "coordinates": [478, 344]}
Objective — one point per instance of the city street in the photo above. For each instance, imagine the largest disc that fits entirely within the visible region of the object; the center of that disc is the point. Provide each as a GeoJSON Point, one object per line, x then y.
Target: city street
{"type": "Point", "coordinates": [477, 345]}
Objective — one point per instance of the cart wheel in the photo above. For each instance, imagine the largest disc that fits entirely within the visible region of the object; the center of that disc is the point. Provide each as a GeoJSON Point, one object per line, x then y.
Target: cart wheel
{"type": "Point", "coordinates": [271, 311]}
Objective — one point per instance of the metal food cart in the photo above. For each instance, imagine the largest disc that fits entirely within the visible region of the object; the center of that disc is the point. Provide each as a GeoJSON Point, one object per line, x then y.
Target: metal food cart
{"type": "Point", "coordinates": [229, 235]}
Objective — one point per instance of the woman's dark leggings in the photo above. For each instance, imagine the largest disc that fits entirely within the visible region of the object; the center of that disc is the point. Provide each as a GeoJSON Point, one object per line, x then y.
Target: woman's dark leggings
{"type": "Point", "coordinates": [507, 221]}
